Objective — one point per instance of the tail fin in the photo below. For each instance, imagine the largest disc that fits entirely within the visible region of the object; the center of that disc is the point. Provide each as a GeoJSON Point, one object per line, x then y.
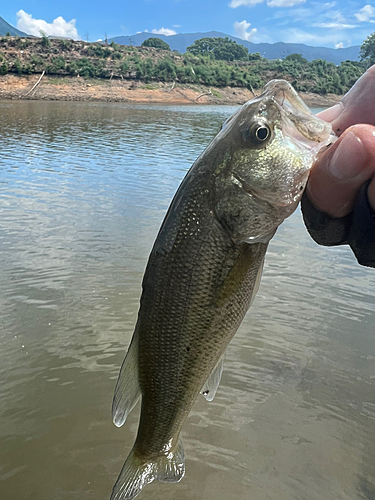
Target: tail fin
{"type": "Point", "coordinates": [171, 469]}
{"type": "Point", "coordinates": [137, 473]}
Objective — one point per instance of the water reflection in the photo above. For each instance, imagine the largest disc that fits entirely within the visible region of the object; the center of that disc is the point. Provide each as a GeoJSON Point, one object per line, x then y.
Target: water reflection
{"type": "Point", "coordinates": [83, 189]}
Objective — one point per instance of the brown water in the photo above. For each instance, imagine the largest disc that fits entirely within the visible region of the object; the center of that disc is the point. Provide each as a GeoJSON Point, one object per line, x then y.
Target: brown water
{"type": "Point", "coordinates": [83, 190]}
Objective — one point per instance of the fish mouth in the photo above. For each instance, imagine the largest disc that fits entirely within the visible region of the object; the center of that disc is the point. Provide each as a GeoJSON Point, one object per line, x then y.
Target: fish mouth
{"type": "Point", "coordinates": [298, 122]}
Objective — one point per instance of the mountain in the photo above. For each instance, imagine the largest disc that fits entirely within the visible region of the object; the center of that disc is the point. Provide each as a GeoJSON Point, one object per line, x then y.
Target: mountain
{"type": "Point", "coordinates": [277, 50]}
{"type": "Point", "coordinates": [8, 28]}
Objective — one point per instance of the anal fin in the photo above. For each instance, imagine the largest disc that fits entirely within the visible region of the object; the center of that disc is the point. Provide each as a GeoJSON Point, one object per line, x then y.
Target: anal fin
{"type": "Point", "coordinates": [127, 391]}
{"type": "Point", "coordinates": [212, 383]}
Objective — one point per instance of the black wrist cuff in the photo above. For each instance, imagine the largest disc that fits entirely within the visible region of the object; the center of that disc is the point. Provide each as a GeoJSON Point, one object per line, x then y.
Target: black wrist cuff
{"type": "Point", "coordinates": [362, 230]}
{"type": "Point", "coordinates": [356, 229]}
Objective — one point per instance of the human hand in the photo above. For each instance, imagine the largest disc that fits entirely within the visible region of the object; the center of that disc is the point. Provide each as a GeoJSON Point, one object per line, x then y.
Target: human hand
{"type": "Point", "coordinates": [340, 172]}
{"type": "Point", "coordinates": [333, 211]}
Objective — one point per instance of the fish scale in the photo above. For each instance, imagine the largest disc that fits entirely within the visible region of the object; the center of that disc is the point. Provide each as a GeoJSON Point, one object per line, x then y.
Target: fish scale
{"type": "Point", "coordinates": [204, 271]}
{"type": "Point", "coordinates": [201, 325]}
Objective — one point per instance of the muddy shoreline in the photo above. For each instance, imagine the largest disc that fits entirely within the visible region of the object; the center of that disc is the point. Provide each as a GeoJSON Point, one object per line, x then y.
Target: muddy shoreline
{"type": "Point", "coordinates": [132, 91]}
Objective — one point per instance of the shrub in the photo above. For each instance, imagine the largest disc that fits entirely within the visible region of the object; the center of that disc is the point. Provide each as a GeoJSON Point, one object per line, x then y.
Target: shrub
{"type": "Point", "coordinates": [124, 67]}
{"type": "Point", "coordinates": [66, 44]}
{"type": "Point", "coordinates": [4, 68]}
{"type": "Point", "coordinates": [98, 50]}
{"type": "Point", "coordinates": [45, 41]}
{"type": "Point", "coordinates": [58, 63]}
{"type": "Point", "coordinates": [17, 66]}
{"type": "Point", "coordinates": [72, 68]}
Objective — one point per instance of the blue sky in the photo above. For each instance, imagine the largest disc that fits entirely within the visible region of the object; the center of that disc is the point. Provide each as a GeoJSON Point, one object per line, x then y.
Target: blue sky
{"type": "Point", "coordinates": [329, 24]}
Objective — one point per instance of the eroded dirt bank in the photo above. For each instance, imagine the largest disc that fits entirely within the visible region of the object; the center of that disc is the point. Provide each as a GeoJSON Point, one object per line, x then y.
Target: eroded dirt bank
{"type": "Point", "coordinates": [132, 91]}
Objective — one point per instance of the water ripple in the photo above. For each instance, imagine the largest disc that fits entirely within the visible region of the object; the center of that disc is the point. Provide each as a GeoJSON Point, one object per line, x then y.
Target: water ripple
{"type": "Point", "coordinates": [83, 190]}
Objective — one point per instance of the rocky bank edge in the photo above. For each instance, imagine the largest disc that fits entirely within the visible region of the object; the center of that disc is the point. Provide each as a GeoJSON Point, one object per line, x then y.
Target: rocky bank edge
{"type": "Point", "coordinates": [131, 91]}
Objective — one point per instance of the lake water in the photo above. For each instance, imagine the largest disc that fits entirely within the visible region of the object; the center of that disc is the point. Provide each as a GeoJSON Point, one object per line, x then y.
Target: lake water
{"type": "Point", "coordinates": [83, 190]}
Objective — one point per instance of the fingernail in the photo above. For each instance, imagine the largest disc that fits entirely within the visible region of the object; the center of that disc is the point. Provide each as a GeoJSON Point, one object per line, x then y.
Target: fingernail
{"type": "Point", "coordinates": [349, 158]}
{"type": "Point", "coordinates": [332, 113]}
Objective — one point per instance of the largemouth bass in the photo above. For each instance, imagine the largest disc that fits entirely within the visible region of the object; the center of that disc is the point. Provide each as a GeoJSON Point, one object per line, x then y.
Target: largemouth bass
{"type": "Point", "coordinates": [204, 271]}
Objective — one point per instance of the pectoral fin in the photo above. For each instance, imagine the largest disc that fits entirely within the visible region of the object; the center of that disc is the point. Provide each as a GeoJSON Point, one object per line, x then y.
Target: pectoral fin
{"type": "Point", "coordinates": [257, 281]}
{"type": "Point", "coordinates": [212, 383]}
{"type": "Point", "coordinates": [127, 390]}
{"type": "Point", "coordinates": [210, 387]}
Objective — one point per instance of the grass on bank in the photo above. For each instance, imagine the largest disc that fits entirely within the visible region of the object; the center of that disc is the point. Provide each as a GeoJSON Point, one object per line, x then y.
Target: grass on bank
{"type": "Point", "coordinates": [151, 65]}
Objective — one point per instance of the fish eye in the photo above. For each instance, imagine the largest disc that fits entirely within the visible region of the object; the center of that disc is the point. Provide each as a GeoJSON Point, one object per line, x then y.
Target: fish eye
{"type": "Point", "coordinates": [262, 133]}
{"type": "Point", "coordinates": [259, 133]}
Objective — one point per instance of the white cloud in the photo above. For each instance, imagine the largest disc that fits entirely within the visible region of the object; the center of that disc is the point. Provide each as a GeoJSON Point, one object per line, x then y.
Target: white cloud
{"type": "Point", "coordinates": [284, 3]}
{"type": "Point", "coordinates": [237, 3]}
{"type": "Point", "coordinates": [339, 45]}
{"type": "Point", "coordinates": [339, 26]}
{"type": "Point", "coordinates": [241, 30]}
{"type": "Point", "coordinates": [294, 35]}
{"type": "Point", "coordinates": [271, 3]}
{"type": "Point", "coordinates": [336, 16]}
{"type": "Point", "coordinates": [164, 31]}
{"type": "Point", "coordinates": [58, 27]}
{"type": "Point", "coordinates": [328, 38]}
{"type": "Point", "coordinates": [313, 11]}
{"type": "Point", "coordinates": [365, 13]}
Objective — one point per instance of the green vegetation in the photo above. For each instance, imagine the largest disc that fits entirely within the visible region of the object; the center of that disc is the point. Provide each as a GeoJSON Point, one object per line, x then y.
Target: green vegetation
{"type": "Point", "coordinates": [221, 49]}
{"type": "Point", "coordinates": [45, 41]}
{"type": "Point", "coordinates": [22, 43]}
{"type": "Point", "coordinates": [157, 43]}
{"type": "Point", "coordinates": [149, 86]}
{"type": "Point", "coordinates": [99, 50]}
{"type": "Point", "coordinates": [296, 57]}
{"type": "Point", "coordinates": [210, 64]}
{"type": "Point", "coordinates": [17, 66]}
{"type": "Point", "coordinates": [66, 45]}
{"type": "Point", "coordinates": [255, 56]}
{"type": "Point", "coordinates": [3, 65]}
{"type": "Point", "coordinates": [57, 65]}
{"type": "Point", "coordinates": [216, 93]}
{"type": "Point", "coordinates": [367, 52]}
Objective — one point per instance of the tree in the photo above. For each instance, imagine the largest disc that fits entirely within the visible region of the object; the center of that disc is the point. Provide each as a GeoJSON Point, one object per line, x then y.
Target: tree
{"type": "Point", "coordinates": [255, 56]}
{"type": "Point", "coordinates": [296, 57]}
{"type": "Point", "coordinates": [219, 48]}
{"type": "Point", "coordinates": [367, 51]}
{"type": "Point", "coordinates": [157, 43]}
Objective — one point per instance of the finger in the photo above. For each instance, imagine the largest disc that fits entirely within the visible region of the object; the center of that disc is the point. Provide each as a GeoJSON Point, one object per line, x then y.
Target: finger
{"type": "Point", "coordinates": [339, 173]}
{"type": "Point", "coordinates": [357, 106]}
